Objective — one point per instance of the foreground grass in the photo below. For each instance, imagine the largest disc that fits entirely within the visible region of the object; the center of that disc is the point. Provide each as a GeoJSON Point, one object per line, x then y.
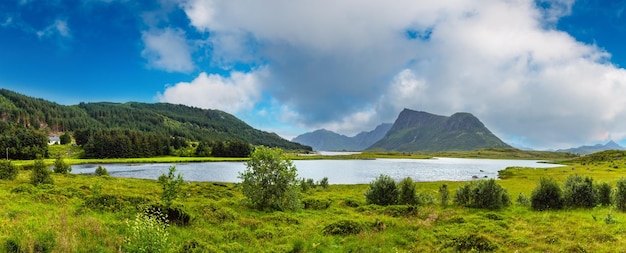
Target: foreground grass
{"type": "Point", "coordinates": [57, 218]}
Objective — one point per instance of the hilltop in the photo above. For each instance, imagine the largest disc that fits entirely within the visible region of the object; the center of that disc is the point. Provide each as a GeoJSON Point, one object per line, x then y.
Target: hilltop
{"type": "Point", "coordinates": [425, 132]}
{"type": "Point", "coordinates": [191, 123]}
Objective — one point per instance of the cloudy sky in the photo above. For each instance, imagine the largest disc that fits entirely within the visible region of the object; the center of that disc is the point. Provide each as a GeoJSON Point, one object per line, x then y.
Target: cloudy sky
{"type": "Point", "coordinates": [542, 74]}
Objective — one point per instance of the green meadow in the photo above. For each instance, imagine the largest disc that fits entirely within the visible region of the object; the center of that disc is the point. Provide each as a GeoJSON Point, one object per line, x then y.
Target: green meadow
{"type": "Point", "coordinates": [88, 213]}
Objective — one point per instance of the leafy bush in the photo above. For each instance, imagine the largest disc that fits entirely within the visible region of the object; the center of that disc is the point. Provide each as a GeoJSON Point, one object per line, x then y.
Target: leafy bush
{"type": "Point", "coordinates": [343, 227]}
{"type": "Point", "coordinates": [382, 191]}
{"type": "Point", "coordinates": [269, 180]}
{"type": "Point", "coordinates": [547, 195]}
{"type": "Point", "coordinates": [603, 192]}
{"type": "Point", "coordinates": [61, 167]}
{"type": "Point", "coordinates": [171, 186]}
{"type": "Point", "coordinates": [482, 194]}
{"type": "Point", "coordinates": [579, 192]}
{"type": "Point", "coordinates": [170, 214]}
{"type": "Point", "coordinates": [316, 204]}
{"type": "Point", "coordinates": [620, 194]}
{"type": "Point", "coordinates": [472, 242]}
{"type": "Point", "coordinates": [522, 200]}
{"type": "Point", "coordinates": [8, 171]}
{"type": "Point", "coordinates": [41, 173]}
{"type": "Point", "coordinates": [101, 171]}
{"type": "Point", "coordinates": [147, 233]}
{"type": "Point", "coordinates": [444, 194]}
{"type": "Point", "coordinates": [407, 194]}
{"type": "Point", "coordinates": [323, 183]}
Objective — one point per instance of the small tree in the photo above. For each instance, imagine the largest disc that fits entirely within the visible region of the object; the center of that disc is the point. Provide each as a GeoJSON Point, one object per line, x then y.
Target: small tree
{"type": "Point", "coordinates": [101, 171]}
{"type": "Point", "coordinates": [444, 194]}
{"type": "Point", "coordinates": [41, 173]}
{"type": "Point", "coordinates": [382, 191]}
{"type": "Point", "coordinates": [65, 138]}
{"type": "Point", "coordinates": [407, 192]}
{"type": "Point", "coordinates": [323, 183]}
{"type": "Point", "coordinates": [546, 196]}
{"type": "Point", "coordinates": [8, 171]}
{"type": "Point", "coordinates": [579, 192]}
{"type": "Point", "coordinates": [270, 180]}
{"type": "Point", "coordinates": [620, 194]}
{"type": "Point", "coordinates": [482, 194]}
{"type": "Point", "coordinates": [603, 191]}
{"type": "Point", "coordinates": [61, 167]}
{"type": "Point", "coordinates": [171, 186]}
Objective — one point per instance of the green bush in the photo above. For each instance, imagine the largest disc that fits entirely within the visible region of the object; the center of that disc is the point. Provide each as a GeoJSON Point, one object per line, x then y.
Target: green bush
{"type": "Point", "coordinates": [8, 171]}
{"type": "Point", "coordinates": [482, 194]}
{"type": "Point", "coordinates": [101, 171]}
{"type": "Point", "coordinates": [147, 233]}
{"type": "Point", "coordinates": [620, 194]}
{"type": "Point", "coordinates": [316, 204]}
{"type": "Point", "coordinates": [171, 186]}
{"type": "Point", "coordinates": [269, 181]}
{"type": "Point", "coordinates": [41, 173]}
{"type": "Point", "coordinates": [407, 194]}
{"type": "Point", "coordinates": [61, 167]}
{"type": "Point", "coordinates": [382, 191]}
{"type": "Point", "coordinates": [579, 192]}
{"type": "Point", "coordinates": [472, 243]}
{"type": "Point", "coordinates": [547, 195]}
{"type": "Point", "coordinates": [323, 183]}
{"type": "Point", "coordinates": [444, 195]}
{"type": "Point", "coordinates": [522, 200]}
{"type": "Point", "coordinates": [603, 191]}
{"type": "Point", "coordinates": [343, 227]}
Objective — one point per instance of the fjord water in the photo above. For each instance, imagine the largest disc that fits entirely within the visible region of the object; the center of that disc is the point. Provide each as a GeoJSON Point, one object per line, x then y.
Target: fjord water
{"type": "Point", "coordinates": [337, 171]}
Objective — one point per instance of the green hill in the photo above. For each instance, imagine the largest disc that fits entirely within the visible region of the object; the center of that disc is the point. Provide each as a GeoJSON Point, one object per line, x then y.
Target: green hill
{"type": "Point", "coordinates": [161, 118]}
{"type": "Point", "coordinates": [425, 132]}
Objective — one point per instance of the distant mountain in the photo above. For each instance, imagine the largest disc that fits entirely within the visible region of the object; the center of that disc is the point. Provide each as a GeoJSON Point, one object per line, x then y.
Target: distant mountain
{"type": "Point", "coordinates": [324, 140]}
{"type": "Point", "coordinates": [192, 123]}
{"type": "Point", "coordinates": [585, 150]}
{"type": "Point", "coordinates": [422, 131]}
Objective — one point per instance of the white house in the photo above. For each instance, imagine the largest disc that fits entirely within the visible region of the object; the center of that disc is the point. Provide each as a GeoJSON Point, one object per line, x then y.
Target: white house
{"type": "Point", "coordinates": [54, 140]}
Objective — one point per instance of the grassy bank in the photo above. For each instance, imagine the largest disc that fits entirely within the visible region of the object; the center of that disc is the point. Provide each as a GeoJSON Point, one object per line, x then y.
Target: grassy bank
{"type": "Point", "coordinates": [82, 213]}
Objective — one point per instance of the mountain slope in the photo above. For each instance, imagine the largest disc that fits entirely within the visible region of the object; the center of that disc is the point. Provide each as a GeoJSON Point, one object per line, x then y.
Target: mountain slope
{"type": "Point", "coordinates": [585, 150]}
{"type": "Point", "coordinates": [422, 131]}
{"type": "Point", "coordinates": [325, 140]}
{"type": "Point", "coordinates": [173, 120]}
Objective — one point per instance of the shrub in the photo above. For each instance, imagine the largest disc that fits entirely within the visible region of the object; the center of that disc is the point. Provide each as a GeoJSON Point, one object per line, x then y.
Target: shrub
{"type": "Point", "coordinates": [603, 192]}
{"type": "Point", "coordinates": [61, 167]}
{"type": "Point", "coordinates": [482, 194]}
{"type": "Point", "coordinates": [620, 194]}
{"type": "Point", "coordinates": [8, 171]}
{"type": "Point", "coordinates": [41, 173]}
{"type": "Point", "coordinates": [579, 192]}
{"type": "Point", "coordinates": [269, 180]}
{"type": "Point", "coordinates": [171, 186]}
{"type": "Point", "coordinates": [304, 186]}
{"type": "Point", "coordinates": [316, 204]}
{"type": "Point", "coordinates": [407, 194]}
{"type": "Point", "coordinates": [382, 191]}
{"type": "Point", "coordinates": [343, 227]}
{"type": "Point", "coordinates": [547, 195]}
{"type": "Point", "coordinates": [444, 194]}
{"type": "Point", "coordinates": [101, 171]}
{"type": "Point", "coordinates": [173, 214]}
{"type": "Point", "coordinates": [324, 182]}
{"type": "Point", "coordinates": [147, 233]}
{"type": "Point", "coordinates": [473, 242]}
{"type": "Point", "coordinates": [522, 200]}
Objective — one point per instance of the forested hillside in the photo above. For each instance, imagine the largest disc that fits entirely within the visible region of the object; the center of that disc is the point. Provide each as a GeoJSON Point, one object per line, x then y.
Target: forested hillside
{"type": "Point", "coordinates": [139, 122]}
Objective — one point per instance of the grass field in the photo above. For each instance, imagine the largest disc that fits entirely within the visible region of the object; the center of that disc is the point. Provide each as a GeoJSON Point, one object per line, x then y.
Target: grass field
{"type": "Point", "coordinates": [64, 218]}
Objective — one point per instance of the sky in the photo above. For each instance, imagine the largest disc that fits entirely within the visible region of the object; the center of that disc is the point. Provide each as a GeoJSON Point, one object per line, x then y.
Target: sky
{"type": "Point", "coordinates": [543, 74]}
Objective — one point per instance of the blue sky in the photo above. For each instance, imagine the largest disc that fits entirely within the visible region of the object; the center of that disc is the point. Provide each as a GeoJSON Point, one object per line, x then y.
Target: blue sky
{"type": "Point", "coordinates": [542, 74]}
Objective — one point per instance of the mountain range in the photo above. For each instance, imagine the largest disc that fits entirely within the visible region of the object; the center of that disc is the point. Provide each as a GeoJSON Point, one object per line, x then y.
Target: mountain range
{"type": "Point", "coordinates": [324, 140]}
{"type": "Point", "coordinates": [412, 131]}
{"type": "Point", "coordinates": [191, 123]}
{"type": "Point", "coordinates": [585, 150]}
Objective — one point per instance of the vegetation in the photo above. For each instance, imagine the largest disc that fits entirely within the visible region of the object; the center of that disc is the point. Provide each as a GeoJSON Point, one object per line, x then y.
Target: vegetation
{"type": "Point", "coordinates": [41, 173]}
{"type": "Point", "coordinates": [171, 186]}
{"type": "Point", "coordinates": [8, 171]}
{"type": "Point", "coordinates": [482, 194]}
{"type": "Point", "coordinates": [382, 191]}
{"type": "Point", "coordinates": [547, 195]}
{"type": "Point", "coordinates": [101, 171]}
{"type": "Point", "coordinates": [579, 192]}
{"type": "Point", "coordinates": [61, 167]}
{"type": "Point", "coordinates": [406, 191]}
{"type": "Point", "coordinates": [270, 181]}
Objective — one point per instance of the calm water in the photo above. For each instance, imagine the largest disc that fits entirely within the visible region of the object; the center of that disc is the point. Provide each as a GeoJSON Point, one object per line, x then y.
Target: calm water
{"type": "Point", "coordinates": [337, 171]}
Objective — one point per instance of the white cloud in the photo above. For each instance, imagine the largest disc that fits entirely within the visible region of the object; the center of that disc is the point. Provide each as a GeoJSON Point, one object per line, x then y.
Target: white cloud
{"type": "Point", "coordinates": [167, 49]}
{"type": "Point", "coordinates": [349, 65]}
{"type": "Point", "coordinates": [240, 91]}
{"type": "Point", "coordinates": [59, 27]}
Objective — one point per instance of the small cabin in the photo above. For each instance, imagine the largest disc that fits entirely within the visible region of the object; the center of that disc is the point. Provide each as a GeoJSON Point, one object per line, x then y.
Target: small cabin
{"type": "Point", "coordinates": [54, 140]}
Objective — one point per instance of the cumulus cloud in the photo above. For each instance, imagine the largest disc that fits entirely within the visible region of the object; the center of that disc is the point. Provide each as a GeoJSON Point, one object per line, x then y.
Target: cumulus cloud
{"type": "Point", "coordinates": [240, 91]}
{"type": "Point", "coordinates": [350, 65]}
{"type": "Point", "coordinates": [167, 49]}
